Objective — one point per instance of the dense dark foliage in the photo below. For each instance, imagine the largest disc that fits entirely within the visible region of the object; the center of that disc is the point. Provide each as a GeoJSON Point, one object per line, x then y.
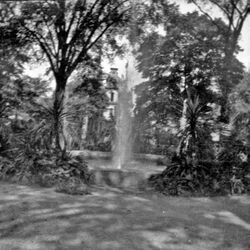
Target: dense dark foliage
{"type": "Point", "coordinates": [190, 66]}
{"type": "Point", "coordinates": [67, 34]}
{"type": "Point", "coordinates": [224, 171]}
{"type": "Point", "coordinates": [30, 159]}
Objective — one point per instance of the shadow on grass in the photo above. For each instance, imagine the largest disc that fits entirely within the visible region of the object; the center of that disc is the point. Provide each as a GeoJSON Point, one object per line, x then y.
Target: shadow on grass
{"type": "Point", "coordinates": [34, 218]}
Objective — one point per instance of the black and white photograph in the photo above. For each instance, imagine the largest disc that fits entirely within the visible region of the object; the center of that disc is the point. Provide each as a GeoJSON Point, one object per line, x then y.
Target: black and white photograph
{"type": "Point", "coordinates": [124, 124]}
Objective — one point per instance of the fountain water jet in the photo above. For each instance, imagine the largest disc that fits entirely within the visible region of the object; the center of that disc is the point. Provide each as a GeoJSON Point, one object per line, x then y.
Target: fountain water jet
{"type": "Point", "coordinates": [122, 151]}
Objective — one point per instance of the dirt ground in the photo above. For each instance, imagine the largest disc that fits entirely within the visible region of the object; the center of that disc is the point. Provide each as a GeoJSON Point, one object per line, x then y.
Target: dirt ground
{"type": "Point", "coordinates": [41, 219]}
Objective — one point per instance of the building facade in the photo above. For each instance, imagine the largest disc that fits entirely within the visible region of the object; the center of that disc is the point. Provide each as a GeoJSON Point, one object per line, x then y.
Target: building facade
{"type": "Point", "coordinates": [99, 128]}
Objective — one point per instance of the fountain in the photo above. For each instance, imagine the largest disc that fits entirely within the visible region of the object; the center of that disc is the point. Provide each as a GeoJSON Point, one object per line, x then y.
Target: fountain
{"type": "Point", "coordinates": [124, 171]}
{"type": "Point", "coordinates": [122, 150]}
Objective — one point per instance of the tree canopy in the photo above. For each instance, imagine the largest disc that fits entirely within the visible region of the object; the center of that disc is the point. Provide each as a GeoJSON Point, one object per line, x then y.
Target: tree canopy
{"type": "Point", "coordinates": [234, 13]}
{"type": "Point", "coordinates": [67, 33]}
{"type": "Point", "coordinates": [186, 58]}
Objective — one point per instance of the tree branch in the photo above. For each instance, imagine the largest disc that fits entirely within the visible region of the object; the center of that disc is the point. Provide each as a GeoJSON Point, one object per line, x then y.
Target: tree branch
{"type": "Point", "coordinates": [43, 46]}
{"type": "Point", "coordinates": [73, 17]}
{"type": "Point", "coordinates": [78, 29]}
{"type": "Point", "coordinates": [205, 13]}
{"type": "Point", "coordinates": [242, 18]}
{"type": "Point", "coordinates": [105, 19]}
{"type": "Point", "coordinates": [236, 7]}
{"type": "Point", "coordinates": [50, 36]}
{"type": "Point", "coordinates": [86, 48]}
{"type": "Point", "coordinates": [87, 44]}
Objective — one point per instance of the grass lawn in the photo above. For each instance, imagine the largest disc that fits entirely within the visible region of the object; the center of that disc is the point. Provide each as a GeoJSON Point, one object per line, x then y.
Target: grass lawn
{"type": "Point", "coordinates": [40, 219]}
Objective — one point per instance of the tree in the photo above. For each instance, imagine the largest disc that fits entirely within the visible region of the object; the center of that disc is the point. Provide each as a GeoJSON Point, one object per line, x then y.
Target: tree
{"type": "Point", "coordinates": [87, 98]}
{"type": "Point", "coordinates": [12, 90]}
{"type": "Point", "coordinates": [17, 97]}
{"type": "Point", "coordinates": [235, 13]}
{"type": "Point", "coordinates": [17, 89]}
{"type": "Point", "coordinates": [184, 64]}
{"type": "Point", "coordinates": [12, 58]}
{"type": "Point", "coordinates": [67, 33]}
{"type": "Point", "coordinates": [239, 101]}
{"type": "Point", "coordinates": [187, 58]}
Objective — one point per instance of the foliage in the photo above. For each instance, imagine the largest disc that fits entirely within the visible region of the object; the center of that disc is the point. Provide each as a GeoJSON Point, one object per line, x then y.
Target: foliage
{"type": "Point", "coordinates": [72, 186]}
{"type": "Point", "coordinates": [185, 67]}
{"type": "Point", "coordinates": [239, 101]}
{"type": "Point", "coordinates": [30, 157]}
{"type": "Point", "coordinates": [188, 55]}
{"type": "Point", "coordinates": [4, 137]}
{"type": "Point", "coordinates": [45, 169]}
{"type": "Point", "coordinates": [12, 59]}
{"type": "Point", "coordinates": [208, 176]}
{"type": "Point", "coordinates": [150, 16]}
{"type": "Point", "coordinates": [184, 59]}
{"type": "Point", "coordinates": [67, 33]}
{"type": "Point", "coordinates": [17, 97]}
{"type": "Point", "coordinates": [17, 90]}
{"type": "Point", "coordinates": [67, 30]}
{"type": "Point", "coordinates": [189, 173]}
{"type": "Point", "coordinates": [189, 63]}
{"type": "Point", "coordinates": [198, 123]}
{"type": "Point", "coordinates": [87, 98]}
{"type": "Point", "coordinates": [235, 14]}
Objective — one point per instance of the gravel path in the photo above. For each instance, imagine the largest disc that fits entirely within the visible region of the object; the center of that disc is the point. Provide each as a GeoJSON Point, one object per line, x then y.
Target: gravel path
{"type": "Point", "coordinates": [41, 219]}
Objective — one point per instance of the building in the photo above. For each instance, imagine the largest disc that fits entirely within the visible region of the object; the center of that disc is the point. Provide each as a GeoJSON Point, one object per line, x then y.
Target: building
{"type": "Point", "coordinates": [99, 128]}
{"type": "Point", "coordinates": [110, 83]}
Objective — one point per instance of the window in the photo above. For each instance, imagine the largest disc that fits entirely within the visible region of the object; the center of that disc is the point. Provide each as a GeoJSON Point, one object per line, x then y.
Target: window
{"type": "Point", "coordinates": [112, 96]}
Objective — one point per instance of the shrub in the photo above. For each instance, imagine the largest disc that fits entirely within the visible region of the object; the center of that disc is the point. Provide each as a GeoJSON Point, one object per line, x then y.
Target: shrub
{"type": "Point", "coordinates": [73, 186]}
{"type": "Point", "coordinates": [44, 169]}
{"type": "Point", "coordinates": [181, 178]}
{"type": "Point", "coordinates": [225, 175]}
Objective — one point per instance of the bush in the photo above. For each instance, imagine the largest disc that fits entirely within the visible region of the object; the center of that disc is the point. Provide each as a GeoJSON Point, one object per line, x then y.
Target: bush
{"type": "Point", "coordinates": [184, 177]}
{"type": "Point", "coordinates": [45, 170]}
{"type": "Point", "coordinates": [73, 186]}
{"type": "Point", "coordinates": [181, 179]}
{"type": "Point", "coordinates": [7, 168]}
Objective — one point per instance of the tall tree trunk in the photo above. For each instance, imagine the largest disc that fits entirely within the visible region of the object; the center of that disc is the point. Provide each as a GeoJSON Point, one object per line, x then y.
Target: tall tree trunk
{"type": "Point", "coordinates": [183, 124]}
{"type": "Point", "coordinates": [58, 107]}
